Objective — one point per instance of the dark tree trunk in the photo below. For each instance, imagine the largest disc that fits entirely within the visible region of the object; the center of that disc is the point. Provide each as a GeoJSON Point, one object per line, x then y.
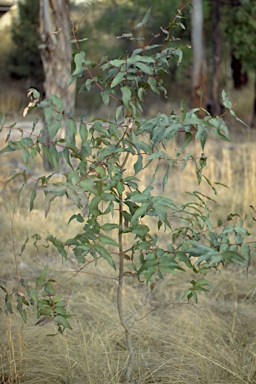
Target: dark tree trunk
{"type": "Point", "coordinates": [240, 78]}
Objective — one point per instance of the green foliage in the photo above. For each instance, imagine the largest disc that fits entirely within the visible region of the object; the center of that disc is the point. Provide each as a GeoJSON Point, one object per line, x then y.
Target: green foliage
{"type": "Point", "coordinates": [47, 305]}
{"type": "Point", "coordinates": [240, 28]}
{"type": "Point", "coordinates": [104, 162]}
{"type": "Point", "coordinates": [25, 60]}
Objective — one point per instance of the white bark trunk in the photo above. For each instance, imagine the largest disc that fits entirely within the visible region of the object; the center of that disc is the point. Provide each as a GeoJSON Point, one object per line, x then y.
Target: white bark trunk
{"type": "Point", "coordinates": [199, 63]}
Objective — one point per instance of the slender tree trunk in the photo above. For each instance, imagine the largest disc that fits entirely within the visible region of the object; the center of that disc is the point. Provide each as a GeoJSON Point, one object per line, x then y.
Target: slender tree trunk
{"type": "Point", "coordinates": [56, 53]}
{"type": "Point", "coordinates": [216, 40]}
{"type": "Point", "coordinates": [199, 78]}
{"type": "Point", "coordinates": [254, 104]}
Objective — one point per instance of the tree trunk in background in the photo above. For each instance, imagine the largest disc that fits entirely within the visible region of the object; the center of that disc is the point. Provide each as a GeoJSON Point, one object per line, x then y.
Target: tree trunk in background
{"type": "Point", "coordinates": [55, 30]}
{"type": "Point", "coordinates": [216, 40]}
{"type": "Point", "coordinates": [56, 52]}
{"type": "Point", "coordinates": [254, 104]}
{"type": "Point", "coordinates": [199, 78]}
{"type": "Point", "coordinates": [240, 78]}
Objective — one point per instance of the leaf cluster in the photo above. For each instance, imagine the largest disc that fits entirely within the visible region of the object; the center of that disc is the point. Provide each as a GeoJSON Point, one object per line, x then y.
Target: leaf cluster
{"type": "Point", "coordinates": [47, 305]}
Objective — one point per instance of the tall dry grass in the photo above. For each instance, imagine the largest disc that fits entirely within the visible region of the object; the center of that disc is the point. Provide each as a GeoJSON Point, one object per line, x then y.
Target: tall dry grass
{"type": "Point", "coordinates": [175, 342]}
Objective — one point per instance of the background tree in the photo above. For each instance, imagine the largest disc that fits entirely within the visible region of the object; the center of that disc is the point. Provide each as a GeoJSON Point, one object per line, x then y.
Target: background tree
{"type": "Point", "coordinates": [56, 52]}
{"type": "Point", "coordinates": [199, 85]}
{"type": "Point", "coordinates": [241, 31]}
{"type": "Point", "coordinates": [216, 57]}
{"type": "Point", "coordinates": [24, 60]}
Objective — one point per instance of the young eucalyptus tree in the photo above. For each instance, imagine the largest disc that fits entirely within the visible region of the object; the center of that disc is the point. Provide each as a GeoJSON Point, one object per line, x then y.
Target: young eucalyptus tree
{"type": "Point", "coordinates": [111, 206]}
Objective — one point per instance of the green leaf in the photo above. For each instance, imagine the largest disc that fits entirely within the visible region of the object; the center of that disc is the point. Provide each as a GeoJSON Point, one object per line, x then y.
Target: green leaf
{"type": "Point", "coordinates": [126, 95]}
{"type": "Point", "coordinates": [178, 52]}
{"type": "Point", "coordinates": [22, 313]}
{"type": "Point", "coordinates": [145, 68]}
{"type": "Point", "coordinates": [78, 217]}
{"type": "Point", "coordinates": [8, 148]}
{"type": "Point", "coordinates": [66, 155]}
{"type": "Point", "coordinates": [83, 131]}
{"type": "Point", "coordinates": [34, 92]}
{"type": "Point", "coordinates": [23, 247]}
{"type": "Point", "coordinates": [25, 155]}
{"type": "Point", "coordinates": [88, 83]}
{"type": "Point", "coordinates": [246, 252]}
{"type": "Point", "coordinates": [138, 165]}
{"type": "Point", "coordinates": [49, 289]}
{"type": "Point", "coordinates": [140, 230]}
{"type": "Point", "coordinates": [105, 254]}
{"type": "Point", "coordinates": [61, 320]}
{"type": "Point", "coordinates": [105, 97]}
{"type": "Point", "coordinates": [153, 85]}
{"type": "Point", "coordinates": [57, 102]}
{"type": "Point", "coordinates": [88, 186]}
{"type": "Point", "coordinates": [168, 269]}
{"type": "Point", "coordinates": [241, 230]}
{"type": "Point", "coordinates": [148, 264]}
{"type": "Point", "coordinates": [145, 19]}
{"type": "Point", "coordinates": [32, 293]}
{"type": "Point", "coordinates": [71, 130]}
{"type": "Point", "coordinates": [8, 305]}
{"type": "Point", "coordinates": [141, 145]}
{"type": "Point", "coordinates": [140, 211]}
{"type": "Point", "coordinates": [79, 68]}
{"type": "Point", "coordinates": [118, 79]}
{"type": "Point", "coordinates": [107, 240]}
{"type": "Point", "coordinates": [41, 280]}
{"type": "Point", "coordinates": [109, 227]}
{"type": "Point", "coordinates": [225, 100]}
{"type": "Point", "coordinates": [117, 63]}
{"type": "Point", "coordinates": [120, 187]}
{"type": "Point", "coordinates": [119, 111]}
{"type": "Point", "coordinates": [143, 59]}
{"type": "Point", "coordinates": [58, 245]}
{"type": "Point", "coordinates": [93, 206]}
{"type": "Point", "coordinates": [183, 257]}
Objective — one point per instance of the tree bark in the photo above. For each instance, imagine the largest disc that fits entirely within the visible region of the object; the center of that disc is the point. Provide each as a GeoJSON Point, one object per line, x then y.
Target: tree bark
{"type": "Point", "coordinates": [55, 30]}
{"type": "Point", "coordinates": [56, 53]}
{"type": "Point", "coordinates": [199, 78]}
{"type": "Point", "coordinates": [254, 104]}
{"type": "Point", "coordinates": [216, 47]}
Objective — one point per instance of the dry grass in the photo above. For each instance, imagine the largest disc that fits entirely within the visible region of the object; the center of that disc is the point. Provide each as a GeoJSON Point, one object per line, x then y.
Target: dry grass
{"type": "Point", "coordinates": [213, 342]}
